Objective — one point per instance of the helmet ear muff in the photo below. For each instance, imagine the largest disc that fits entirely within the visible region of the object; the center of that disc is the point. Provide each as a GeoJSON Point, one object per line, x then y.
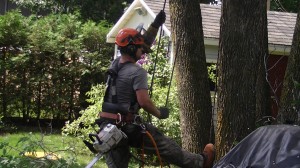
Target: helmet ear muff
{"type": "Point", "coordinates": [130, 50]}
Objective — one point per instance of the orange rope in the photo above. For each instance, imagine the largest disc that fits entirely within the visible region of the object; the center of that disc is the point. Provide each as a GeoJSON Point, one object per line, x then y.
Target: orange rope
{"type": "Point", "coordinates": [155, 146]}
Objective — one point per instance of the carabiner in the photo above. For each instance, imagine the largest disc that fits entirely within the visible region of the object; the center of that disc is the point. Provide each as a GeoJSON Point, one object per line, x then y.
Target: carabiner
{"type": "Point", "coordinates": [119, 119]}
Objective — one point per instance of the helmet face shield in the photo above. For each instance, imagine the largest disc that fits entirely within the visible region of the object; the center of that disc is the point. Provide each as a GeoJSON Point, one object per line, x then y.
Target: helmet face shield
{"type": "Point", "coordinates": [129, 36]}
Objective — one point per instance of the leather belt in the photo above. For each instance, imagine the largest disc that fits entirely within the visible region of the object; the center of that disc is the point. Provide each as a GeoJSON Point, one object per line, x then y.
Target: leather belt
{"type": "Point", "coordinates": [129, 118]}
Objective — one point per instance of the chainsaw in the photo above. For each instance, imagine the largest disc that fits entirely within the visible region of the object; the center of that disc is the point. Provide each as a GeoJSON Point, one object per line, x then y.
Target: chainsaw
{"type": "Point", "coordinates": [104, 141]}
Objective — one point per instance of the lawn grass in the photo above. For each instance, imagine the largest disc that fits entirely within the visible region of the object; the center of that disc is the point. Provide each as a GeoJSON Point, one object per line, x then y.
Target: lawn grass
{"type": "Point", "coordinates": [71, 150]}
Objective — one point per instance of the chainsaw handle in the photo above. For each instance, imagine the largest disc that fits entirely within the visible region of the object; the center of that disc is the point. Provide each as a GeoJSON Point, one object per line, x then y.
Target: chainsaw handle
{"type": "Point", "coordinates": [93, 139]}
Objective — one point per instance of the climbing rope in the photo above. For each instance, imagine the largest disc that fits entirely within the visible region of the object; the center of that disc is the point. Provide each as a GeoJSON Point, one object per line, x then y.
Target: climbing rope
{"type": "Point", "coordinates": [156, 149]}
{"type": "Point", "coordinates": [155, 62]}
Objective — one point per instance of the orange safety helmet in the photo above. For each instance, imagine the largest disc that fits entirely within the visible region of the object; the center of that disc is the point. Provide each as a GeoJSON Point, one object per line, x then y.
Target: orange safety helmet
{"type": "Point", "coordinates": [129, 36]}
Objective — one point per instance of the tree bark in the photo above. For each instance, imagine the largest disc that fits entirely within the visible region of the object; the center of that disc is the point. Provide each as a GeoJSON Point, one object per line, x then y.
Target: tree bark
{"type": "Point", "coordinates": [290, 109]}
{"type": "Point", "coordinates": [191, 74]}
{"type": "Point", "coordinates": [242, 85]}
{"type": "Point", "coordinates": [3, 87]}
{"type": "Point", "coordinates": [24, 93]}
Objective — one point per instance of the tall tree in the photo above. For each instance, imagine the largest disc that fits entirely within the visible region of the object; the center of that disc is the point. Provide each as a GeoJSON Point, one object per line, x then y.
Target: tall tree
{"type": "Point", "coordinates": [97, 54]}
{"type": "Point", "coordinates": [95, 10]}
{"type": "Point", "coordinates": [290, 106]}
{"type": "Point", "coordinates": [242, 84]}
{"type": "Point", "coordinates": [191, 73]}
{"type": "Point", "coordinates": [13, 35]}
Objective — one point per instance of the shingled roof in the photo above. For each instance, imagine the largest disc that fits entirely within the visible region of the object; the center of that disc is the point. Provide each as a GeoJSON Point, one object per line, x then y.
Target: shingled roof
{"type": "Point", "coordinates": [280, 24]}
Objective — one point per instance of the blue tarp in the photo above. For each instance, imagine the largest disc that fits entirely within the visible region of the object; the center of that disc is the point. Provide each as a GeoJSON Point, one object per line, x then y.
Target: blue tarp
{"type": "Point", "coordinates": [273, 146]}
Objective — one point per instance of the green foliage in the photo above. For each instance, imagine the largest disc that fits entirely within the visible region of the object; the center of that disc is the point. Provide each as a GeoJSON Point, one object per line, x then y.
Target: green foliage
{"type": "Point", "coordinates": [14, 28]}
{"type": "Point", "coordinates": [102, 10]}
{"type": "Point", "coordinates": [157, 63]}
{"type": "Point", "coordinates": [23, 152]}
{"type": "Point", "coordinates": [85, 124]}
{"type": "Point", "coordinates": [55, 51]}
{"type": "Point", "coordinates": [71, 151]}
{"type": "Point", "coordinates": [13, 35]}
{"type": "Point", "coordinates": [96, 51]}
{"type": "Point", "coordinates": [35, 6]}
{"type": "Point", "coordinates": [56, 60]}
{"type": "Point", "coordinates": [171, 125]}
{"type": "Point", "coordinates": [5, 127]}
{"type": "Point", "coordinates": [160, 88]}
{"type": "Point", "coordinates": [95, 10]}
{"type": "Point", "coordinates": [211, 72]}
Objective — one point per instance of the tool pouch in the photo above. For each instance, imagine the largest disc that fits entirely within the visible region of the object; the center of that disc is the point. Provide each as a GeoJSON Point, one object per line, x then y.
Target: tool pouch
{"type": "Point", "coordinates": [114, 108]}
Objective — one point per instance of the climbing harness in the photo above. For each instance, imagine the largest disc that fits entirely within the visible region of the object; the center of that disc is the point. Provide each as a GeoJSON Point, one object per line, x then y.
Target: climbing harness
{"type": "Point", "coordinates": [121, 119]}
{"type": "Point", "coordinates": [109, 136]}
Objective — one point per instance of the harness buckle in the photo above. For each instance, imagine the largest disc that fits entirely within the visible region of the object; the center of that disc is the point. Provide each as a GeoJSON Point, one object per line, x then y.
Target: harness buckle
{"type": "Point", "coordinates": [119, 119]}
{"type": "Point", "coordinates": [138, 120]}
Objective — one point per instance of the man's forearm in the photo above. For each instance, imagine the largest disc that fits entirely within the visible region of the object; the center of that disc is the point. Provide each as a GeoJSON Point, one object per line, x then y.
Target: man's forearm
{"type": "Point", "coordinates": [146, 103]}
{"type": "Point", "coordinates": [150, 108]}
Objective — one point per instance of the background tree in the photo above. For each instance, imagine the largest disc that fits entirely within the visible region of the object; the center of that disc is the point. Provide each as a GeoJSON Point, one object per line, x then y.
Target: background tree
{"type": "Point", "coordinates": [96, 54]}
{"type": "Point", "coordinates": [48, 64]}
{"type": "Point", "coordinates": [13, 35]}
{"type": "Point", "coordinates": [285, 5]}
{"type": "Point", "coordinates": [95, 10]}
{"type": "Point", "coordinates": [242, 85]}
{"type": "Point", "coordinates": [191, 74]}
{"type": "Point", "coordinates": [66, 53]}
{"type": "Point", "coordinates": [289, 111]}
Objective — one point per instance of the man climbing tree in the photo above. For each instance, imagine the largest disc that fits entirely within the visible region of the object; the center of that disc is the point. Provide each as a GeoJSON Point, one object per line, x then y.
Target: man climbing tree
{"type": "Point", "coordinates": [127, 92]}
{"type": "Point", "coordinates": [242, 86]}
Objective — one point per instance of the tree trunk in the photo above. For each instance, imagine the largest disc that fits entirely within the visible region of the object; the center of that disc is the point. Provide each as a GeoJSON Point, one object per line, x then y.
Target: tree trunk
{"type": "Point", "coordinates": [39, 100]}
{"type": "Point", "coordinates": [242, 84]}
{"type": "Point", "coordinates": [3, 88]}
{"type": "Point", "coordinates": [24, 94]}
{"type": "Point", "coordinates": [71, 100]}
{"type": "Point", "coordinates": [191, 74]}
{"type": "Point", "coordinates": [290, 106]}
{"type": "Point", "coordinates": [72, 90]}
{"type": "Point", "coordinates": [29, 97]}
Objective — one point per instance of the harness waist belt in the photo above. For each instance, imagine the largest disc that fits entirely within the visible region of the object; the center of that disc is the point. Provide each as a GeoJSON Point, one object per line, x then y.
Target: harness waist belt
{"type": "Point", "coordinates": [118, 117]}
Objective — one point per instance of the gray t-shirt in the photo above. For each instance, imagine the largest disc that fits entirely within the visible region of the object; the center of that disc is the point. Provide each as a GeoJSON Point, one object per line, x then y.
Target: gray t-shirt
{"type": "Point", "coordinates": [131, 77]}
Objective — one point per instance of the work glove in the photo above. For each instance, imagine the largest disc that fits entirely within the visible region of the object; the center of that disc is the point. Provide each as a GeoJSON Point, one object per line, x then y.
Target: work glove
{"type": "Point", "coordinates": [159, 19]}
{"type": "Point", "coordinates": [164, 112]}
